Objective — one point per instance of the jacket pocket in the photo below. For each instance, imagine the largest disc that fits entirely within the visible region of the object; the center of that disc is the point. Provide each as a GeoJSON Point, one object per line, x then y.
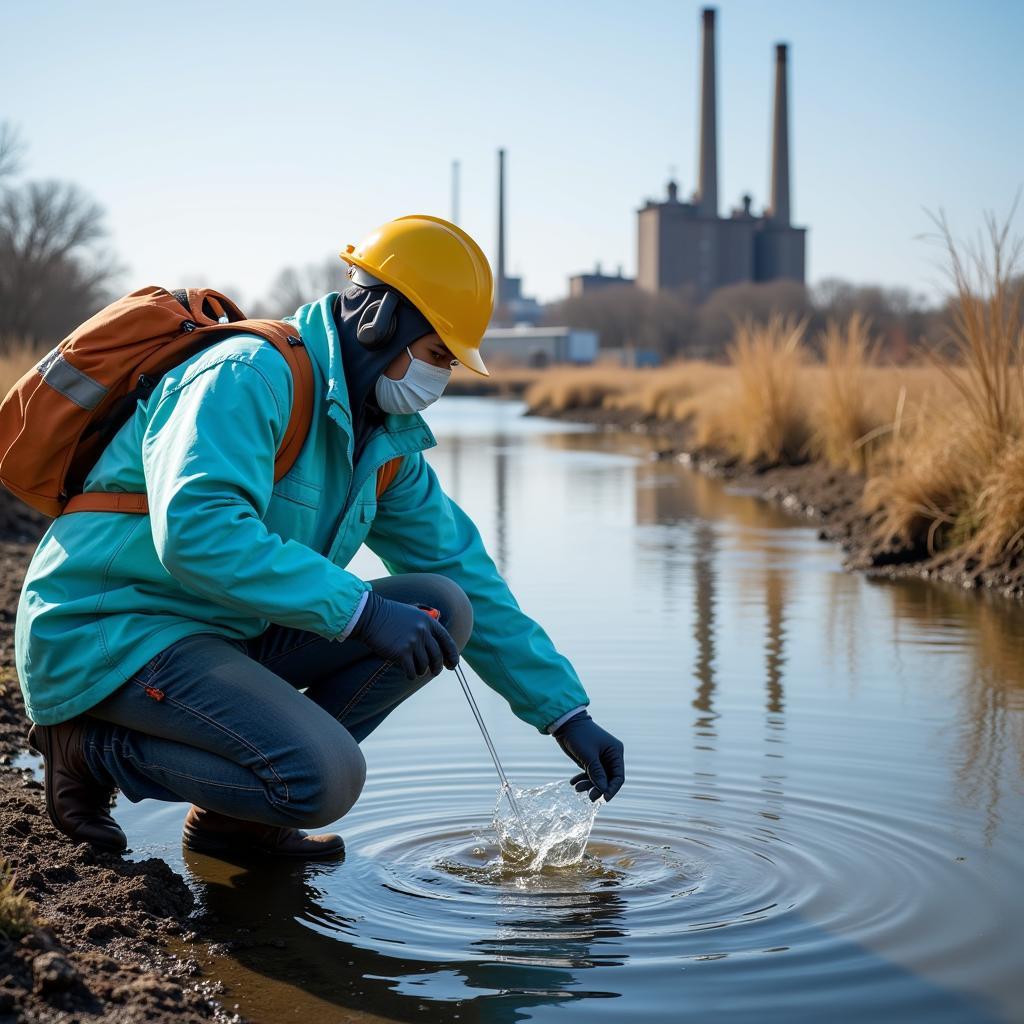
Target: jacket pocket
{"type": "Point", "coordinates": [298, 490]}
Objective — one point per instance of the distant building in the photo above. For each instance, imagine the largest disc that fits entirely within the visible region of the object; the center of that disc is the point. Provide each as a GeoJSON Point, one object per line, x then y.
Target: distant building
{"type": "Point", "coordinates": [687, 243]}
{"type": "Point", "coordinates": [539, 346]}
{"type": "Point", "coordinates": [512, 307]}
{"type": "Point", "coordinates": [584, 284]}
{"type": "Point", "coordinates": [632, 357]}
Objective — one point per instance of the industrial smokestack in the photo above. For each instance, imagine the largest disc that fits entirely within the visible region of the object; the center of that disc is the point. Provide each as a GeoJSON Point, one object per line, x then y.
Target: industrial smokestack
{"type": "Point", "coordinates": [501, 227]}
{"type": "Point", "coordinates": [779, 212]}
{"type": "Point", "coordinates": [707, 188]}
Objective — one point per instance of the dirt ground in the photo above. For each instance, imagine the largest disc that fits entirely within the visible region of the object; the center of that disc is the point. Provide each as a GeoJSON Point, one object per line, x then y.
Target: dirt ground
{"type": "Point", "coordinates": [99, 953]}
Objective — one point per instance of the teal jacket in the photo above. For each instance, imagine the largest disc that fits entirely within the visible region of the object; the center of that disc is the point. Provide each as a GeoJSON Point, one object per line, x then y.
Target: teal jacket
{"type": "Point", "coordinates": [224, 549]}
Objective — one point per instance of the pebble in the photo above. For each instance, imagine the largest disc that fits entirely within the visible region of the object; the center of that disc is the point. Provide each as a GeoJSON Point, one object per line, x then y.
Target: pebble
{"type": "Point", "coordinates": [53, 972]}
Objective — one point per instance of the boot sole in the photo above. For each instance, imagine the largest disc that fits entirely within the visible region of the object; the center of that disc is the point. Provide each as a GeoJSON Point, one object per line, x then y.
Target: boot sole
{"type": "Point", "coordinates": [40, 743]}
{"type": "Point", "coordinates": [212, 845]}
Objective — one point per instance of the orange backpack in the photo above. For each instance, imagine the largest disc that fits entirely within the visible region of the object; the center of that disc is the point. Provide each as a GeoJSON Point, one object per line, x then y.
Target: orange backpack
{"type": "Point", "coordinates": [58, 417]}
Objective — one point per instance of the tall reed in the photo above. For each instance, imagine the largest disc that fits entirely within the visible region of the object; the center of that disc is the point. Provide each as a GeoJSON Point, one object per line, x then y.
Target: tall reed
{"type": "Point", "coordinates": [763, 416]}
{"type": "Point", "coordinates": [564, 388]}
{"type": "Point", "coordinates": [958, 476]}
{"type": "Point", "coordinates": [845, 432]}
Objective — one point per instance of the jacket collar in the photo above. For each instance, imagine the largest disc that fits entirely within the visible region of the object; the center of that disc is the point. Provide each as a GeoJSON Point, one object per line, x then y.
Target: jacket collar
{"type": "Point", "coordinates": [320, 336]}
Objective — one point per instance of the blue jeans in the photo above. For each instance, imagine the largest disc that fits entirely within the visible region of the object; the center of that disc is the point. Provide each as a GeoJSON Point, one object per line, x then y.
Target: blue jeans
{"type": "Point", "coordinates": [266, 729]}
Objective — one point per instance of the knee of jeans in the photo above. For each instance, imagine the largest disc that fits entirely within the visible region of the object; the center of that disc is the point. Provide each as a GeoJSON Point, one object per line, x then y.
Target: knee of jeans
{"type": "Point", "coordinates": [327, 786]}
{"type": "Point", "coordinates": [455, 608]}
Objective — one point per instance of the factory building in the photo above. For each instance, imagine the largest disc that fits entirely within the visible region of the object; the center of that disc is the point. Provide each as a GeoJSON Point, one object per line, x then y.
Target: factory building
{"type": "Point", "coordinates": [585, 284]}
{"type": "Point", "coordinates": [686, 243]}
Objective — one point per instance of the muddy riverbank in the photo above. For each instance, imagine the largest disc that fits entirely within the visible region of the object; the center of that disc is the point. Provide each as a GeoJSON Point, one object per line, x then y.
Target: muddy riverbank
{"type": "Point", "coordinates": [831, 498]}
{"type": "Point", "coordinates": [99, 952]}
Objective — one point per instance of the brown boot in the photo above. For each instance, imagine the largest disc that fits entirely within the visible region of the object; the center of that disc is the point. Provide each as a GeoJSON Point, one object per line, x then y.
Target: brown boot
{"type": "Point", "coordinates": [209, 832]}
{"type": "Point", "coordinates": [76, 802]}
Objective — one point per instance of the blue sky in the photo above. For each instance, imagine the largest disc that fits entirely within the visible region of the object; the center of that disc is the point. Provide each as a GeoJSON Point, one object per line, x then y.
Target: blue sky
{"type": "Point", "coordinates": [227, 140]}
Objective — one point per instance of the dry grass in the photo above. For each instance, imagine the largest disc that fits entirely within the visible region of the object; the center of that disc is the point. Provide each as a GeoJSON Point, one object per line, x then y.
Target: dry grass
{"type": "Point", "coordinates": [772, 402]}
{"type": "Point", "coordinates": [957, 478]}
{"type": "Point", "coordinates": [845, 432]}
{"type": "Point", "coordinates": [764, 415]}
{"type": "Point", "coordinates": [17, 912]}
{"type": "Point", "coordinates": [585, 387]}
{"type": "Point", "coordinates": [668, 394]}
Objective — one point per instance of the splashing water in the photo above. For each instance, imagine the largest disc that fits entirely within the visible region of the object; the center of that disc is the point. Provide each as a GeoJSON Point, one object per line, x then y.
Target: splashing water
{"type": "Point", "coordinates": [558, 821]}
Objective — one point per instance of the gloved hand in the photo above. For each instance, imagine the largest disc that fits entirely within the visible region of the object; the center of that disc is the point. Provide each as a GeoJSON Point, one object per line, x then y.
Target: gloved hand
{"type": "Point", "coordinates": [404, 633]}
{"type": "Point", "coordinates": [597, 752]}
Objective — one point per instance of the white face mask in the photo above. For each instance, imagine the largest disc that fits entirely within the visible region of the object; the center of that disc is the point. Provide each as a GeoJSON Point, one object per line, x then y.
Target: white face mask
{"type": "Point", "coordinates": [421, 386]}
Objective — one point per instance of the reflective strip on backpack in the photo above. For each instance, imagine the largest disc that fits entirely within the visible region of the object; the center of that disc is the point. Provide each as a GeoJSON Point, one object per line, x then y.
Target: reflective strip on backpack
{"type": "Point", "coordinates": [71, 382]}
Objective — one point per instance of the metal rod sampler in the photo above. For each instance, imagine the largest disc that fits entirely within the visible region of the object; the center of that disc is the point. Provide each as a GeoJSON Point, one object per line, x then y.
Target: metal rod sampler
{"type": "Point", "coordinates": [505, 784]}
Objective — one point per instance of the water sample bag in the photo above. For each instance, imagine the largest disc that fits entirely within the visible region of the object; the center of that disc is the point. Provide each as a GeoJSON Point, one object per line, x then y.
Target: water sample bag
{"type": "Point", "coordinates": [559, 821]}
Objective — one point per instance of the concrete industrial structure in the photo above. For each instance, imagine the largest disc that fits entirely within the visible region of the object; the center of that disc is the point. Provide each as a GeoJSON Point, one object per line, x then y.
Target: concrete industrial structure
{"type": "Point", "coordinates": [687, 243]}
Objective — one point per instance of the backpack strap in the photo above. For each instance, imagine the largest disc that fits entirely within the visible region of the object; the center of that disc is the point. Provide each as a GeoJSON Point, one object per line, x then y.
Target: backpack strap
{"type": "Point", "coordinates": [387, 473]}
{"type": "Point", "coordinates": [288, 342]}
{"type": "Point", "coordinates": [108, 501]}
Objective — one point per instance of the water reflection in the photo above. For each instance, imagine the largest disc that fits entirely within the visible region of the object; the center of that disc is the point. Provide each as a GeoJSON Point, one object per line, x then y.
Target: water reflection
{"type": "Point", "coordinates": [774, 649]}
{"type": "Point", "coordinates": [989, 728]}
{"type": "Point", "coordinates": [501, 501]}
{"type": "Point", "coordinates": [843, 621]}
{"type": "Point", "coordinates": [704, 627]}
{"type": "Point", "coordinates": [280, 932]}
{"type": "Point", "coordinates": [279, 935]}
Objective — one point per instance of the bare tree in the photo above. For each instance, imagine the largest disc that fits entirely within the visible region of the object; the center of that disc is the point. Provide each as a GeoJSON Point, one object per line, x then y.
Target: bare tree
{"type": "Point", "coordinates": [11, 149]}
{"type": "Point", "coordinates": [902, 318]}
{"type": "Point", "coordinates": [623, 315]}
{"type": "Point", "coordinates": [295, 287]}
{"type": "Point", "coordinates": [52, 273]}
{"type": "Point", "coordinates": [673, 324]}
{"type": "Point", "coordinates": [757, 301]}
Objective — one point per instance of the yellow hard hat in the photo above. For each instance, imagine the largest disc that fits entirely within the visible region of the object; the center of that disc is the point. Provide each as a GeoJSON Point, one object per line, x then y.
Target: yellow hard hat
{"type": "Point", "coordinates": [441, 271]}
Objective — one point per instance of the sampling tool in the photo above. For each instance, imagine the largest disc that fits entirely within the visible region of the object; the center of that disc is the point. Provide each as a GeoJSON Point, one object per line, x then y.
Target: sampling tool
{"type": "Point", "coordinates": [506, 786]}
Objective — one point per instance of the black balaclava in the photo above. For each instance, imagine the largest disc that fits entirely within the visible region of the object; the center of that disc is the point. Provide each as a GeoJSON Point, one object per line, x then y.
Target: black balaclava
{"type": "Point", "coordinates": [363, 367]}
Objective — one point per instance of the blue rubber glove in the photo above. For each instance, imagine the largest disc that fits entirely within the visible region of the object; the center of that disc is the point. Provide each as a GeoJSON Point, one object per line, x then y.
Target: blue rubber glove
{"type": "Point", "coordinates": [403, 633]}
{"type": "Point", "coordinates": [597, 752]}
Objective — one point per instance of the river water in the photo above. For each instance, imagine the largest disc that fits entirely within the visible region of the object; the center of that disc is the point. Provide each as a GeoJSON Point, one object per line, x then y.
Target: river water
{"type": "Point", "coordinates": [822, 817]}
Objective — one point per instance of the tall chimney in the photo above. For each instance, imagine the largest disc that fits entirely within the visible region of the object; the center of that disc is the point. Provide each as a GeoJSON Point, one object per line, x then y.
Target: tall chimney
{"type": "Point", "coordinates": [707, 187]}
{"type": "Point", "coordinates": [779, 211]}
{"type": "Point", "coordinates": [500, 289]}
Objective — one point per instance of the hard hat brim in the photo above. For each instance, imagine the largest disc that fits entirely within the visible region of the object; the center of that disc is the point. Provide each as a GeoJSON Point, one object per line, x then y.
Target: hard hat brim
{"type": "Point", "coordinates": [466, 354]}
